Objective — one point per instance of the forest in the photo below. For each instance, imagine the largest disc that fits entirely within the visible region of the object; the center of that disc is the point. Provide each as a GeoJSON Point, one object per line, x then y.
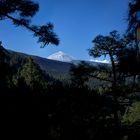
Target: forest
{"type": "Point", "coordinates": [91, 102]}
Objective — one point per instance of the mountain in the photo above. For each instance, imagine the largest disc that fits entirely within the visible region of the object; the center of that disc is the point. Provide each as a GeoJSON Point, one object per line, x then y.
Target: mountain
{"type": "Point", "coordinates": [57, 69]}
{"type": "Point", "coordinates": [61, 56]}
{"type": "Point", "coordinates": [54, 68]}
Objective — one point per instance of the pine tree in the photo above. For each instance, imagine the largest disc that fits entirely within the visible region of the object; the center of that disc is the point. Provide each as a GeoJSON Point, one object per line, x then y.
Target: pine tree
{"type": "Point", "coordinates": [110, 46]}
{"type": "Point", "coordinates": [20, 13]}
{"type": "Point", "coordinates": [33, 76]}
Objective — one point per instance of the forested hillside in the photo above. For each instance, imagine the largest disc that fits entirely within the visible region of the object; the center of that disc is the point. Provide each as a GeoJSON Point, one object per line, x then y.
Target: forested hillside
{"type": "Point", "coordinates": [78, 100]}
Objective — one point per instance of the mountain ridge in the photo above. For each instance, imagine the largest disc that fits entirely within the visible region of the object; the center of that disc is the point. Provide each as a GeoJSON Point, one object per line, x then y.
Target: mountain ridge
{"type": "Point", "coordinates": [53, 67]}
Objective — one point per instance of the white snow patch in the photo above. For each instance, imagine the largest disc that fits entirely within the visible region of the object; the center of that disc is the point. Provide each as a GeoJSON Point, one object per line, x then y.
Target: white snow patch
{"type": "Point", "coordinates": [61, 56]}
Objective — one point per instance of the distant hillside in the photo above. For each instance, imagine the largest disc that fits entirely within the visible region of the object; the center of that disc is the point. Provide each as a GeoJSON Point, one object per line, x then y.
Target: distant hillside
{"type": "Point", "coordinates": [52, 67]}
{"type": "Point", "coordinates": [57, 69]}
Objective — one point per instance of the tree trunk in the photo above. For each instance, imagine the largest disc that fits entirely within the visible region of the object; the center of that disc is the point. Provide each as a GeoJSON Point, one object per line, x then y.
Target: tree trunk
{"type": "Point", "coordinates": [114, 88]}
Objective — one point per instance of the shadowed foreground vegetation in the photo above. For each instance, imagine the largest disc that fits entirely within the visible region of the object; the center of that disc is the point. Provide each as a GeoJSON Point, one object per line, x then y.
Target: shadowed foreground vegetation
{"type": "Point", "coordinates": [70, 110]}
{"type": "Point", "coordinates": [93, 103]}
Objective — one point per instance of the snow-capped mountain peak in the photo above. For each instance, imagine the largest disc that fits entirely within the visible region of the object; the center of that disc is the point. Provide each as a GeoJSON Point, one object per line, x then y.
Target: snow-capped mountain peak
{"type": "Point", "coordinates": [61, 56]}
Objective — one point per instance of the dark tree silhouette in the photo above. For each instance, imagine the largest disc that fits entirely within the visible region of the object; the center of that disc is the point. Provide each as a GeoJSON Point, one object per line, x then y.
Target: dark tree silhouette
{"type": "Point", "coordinates": [128, 63]}
{"type": "Point", "coordinates": [111, 46]}
{"type": "Point", "coordinates": [20, 13]}
{"type": "Point", "coordinates": [5, 71]}
{"type": "Point", "coordinates": [80, 74]}
{"type": "Point", "coordinates": [134, 23]}
{"type": "Point", "coordinates": [33, 76]}
{"type": "Point", "coordinates": [134, 15]}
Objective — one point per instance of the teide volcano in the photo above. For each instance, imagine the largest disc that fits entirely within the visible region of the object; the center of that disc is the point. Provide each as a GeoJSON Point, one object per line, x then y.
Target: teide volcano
{"type": "Point", "coordinates": [52, 67]}
{"type": "Point", "coordinates": [57, 65]}
{"type": "Point", "coordinates": [61, 56]}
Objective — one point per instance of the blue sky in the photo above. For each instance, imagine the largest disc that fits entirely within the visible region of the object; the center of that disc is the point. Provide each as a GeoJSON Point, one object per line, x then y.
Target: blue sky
{"type": "Point", "coordinates": [76, 22]}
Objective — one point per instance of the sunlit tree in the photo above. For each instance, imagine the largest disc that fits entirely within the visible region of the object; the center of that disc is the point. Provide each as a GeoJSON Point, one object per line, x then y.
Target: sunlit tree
{"type": "Point", "coordinates": [33, 75]}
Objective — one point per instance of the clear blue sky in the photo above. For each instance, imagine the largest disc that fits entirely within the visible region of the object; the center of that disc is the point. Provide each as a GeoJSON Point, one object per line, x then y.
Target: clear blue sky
{"type": "Point", "coordinates": [76, 22]}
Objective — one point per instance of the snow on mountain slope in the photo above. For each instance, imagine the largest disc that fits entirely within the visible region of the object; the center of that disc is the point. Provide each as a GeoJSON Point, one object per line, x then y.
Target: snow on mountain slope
{"type": "Point", "coordinates": [61, 56]}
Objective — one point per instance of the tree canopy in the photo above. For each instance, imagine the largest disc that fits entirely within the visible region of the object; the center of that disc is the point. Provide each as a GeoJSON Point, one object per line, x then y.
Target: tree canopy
{"type": "Point", "coordinates": [20, 13]}
{"type": "Point", "coordinates": [107, 45]}
{"type": "Point", "coordinates": [134, 15]}
{"type": "Point", "coordinates": [80, 74]}
{"type": "Point", "coordinates": [32, 74]}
